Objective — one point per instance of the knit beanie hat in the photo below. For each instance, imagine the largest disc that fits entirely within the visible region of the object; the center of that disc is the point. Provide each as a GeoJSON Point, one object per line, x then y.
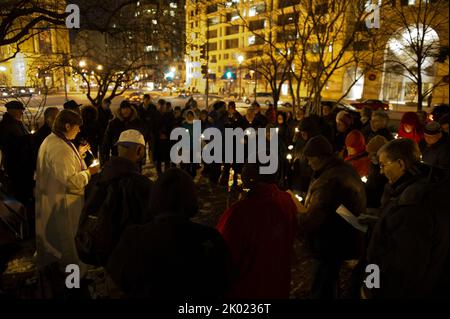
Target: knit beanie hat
{"type": "Point", "coordinates": [309, 125]}
{"type": "Point", "coordinates": [432, 128]}
{"type": "Point", "coordinates": [318, 146]}
{"type": "Point", "coordinates": [355, 139]}
{"type": "Point", "coordinates": [375, 143]}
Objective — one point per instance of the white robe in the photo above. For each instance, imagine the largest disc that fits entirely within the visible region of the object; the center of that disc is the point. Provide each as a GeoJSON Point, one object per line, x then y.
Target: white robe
{"type": "Point", "coordinates": [61, 176]}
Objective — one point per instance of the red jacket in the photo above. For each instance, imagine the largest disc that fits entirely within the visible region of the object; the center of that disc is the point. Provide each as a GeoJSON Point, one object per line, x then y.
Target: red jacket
{"type": "Point", "coordinates": [259, 231]}
{"type": "Point", "coordinates": [360, 162]}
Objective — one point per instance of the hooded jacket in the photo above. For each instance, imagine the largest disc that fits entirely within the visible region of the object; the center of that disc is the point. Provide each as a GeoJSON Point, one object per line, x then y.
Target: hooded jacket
{"type": "Point", "coordinates": [411, 118]}
{"type": "Point", "coordinates": [359, 161]}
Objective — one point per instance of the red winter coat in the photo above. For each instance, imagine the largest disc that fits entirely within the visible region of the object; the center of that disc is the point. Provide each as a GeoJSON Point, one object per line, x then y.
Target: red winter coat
{"type": "Point", "coordinates": [259, 231]}
{"type": "Point", "coordinates": [360, 162]}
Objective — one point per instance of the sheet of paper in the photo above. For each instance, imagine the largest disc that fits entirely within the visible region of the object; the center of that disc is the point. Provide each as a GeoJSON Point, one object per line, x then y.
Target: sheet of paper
{"type": "Point", "coordinates": [350, 218]}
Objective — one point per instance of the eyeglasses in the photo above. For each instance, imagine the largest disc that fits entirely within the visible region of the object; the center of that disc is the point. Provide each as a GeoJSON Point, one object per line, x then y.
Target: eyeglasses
{"type": "Point", "coordinates": [382, 166]}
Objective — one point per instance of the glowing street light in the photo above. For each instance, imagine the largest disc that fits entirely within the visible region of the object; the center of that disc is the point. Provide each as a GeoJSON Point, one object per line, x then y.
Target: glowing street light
{"type": "Point", "coordinates": [82, 64]}
{"type": "Point", "coordinates": [100, 67]}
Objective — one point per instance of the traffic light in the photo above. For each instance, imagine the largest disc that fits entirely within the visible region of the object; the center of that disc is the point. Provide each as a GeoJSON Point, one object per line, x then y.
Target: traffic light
{"type": "Point", "coordinates": [203, 52]}
{"type": "Point", "coordinates": [204, 69]}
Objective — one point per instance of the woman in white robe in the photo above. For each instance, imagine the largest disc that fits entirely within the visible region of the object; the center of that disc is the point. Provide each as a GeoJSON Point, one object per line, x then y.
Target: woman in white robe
{"type": "Point", "coordinates": [61, 176]}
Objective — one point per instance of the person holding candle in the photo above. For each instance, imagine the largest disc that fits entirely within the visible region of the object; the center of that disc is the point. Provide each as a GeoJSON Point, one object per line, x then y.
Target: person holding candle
{"type": "Point", "coordinates": [61, 176]}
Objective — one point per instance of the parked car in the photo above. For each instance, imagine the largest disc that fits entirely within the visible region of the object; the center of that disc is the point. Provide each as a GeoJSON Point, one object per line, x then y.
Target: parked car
{"type": "Point", "coordinates": [182, 99]}
{"type": "Point", "coordinates": [374, 105]}
{"type": "Point", "coordinates": [134, 97]}
{"type": "Point", "coordinates": [16, 91]}
{"type": "Point", "coordinates": [265, 98]}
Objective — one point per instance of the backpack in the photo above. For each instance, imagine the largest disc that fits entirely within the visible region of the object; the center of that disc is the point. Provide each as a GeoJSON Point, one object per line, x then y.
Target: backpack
{"type": "Point", "coordinates": [99, 226]}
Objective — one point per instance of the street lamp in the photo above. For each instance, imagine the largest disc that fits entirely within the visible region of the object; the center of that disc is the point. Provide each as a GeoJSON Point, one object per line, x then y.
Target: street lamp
{"type": "Point", "coordinates": [240, 59]}
{"type": "Point", "coordinates": [100, 67]}
{"type": "Point", "coordinates": [82, 64]}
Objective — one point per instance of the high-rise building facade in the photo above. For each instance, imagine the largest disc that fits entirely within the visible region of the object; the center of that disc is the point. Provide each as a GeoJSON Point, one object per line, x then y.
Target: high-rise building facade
{"type": "Point", "coordinates": [237, 32]}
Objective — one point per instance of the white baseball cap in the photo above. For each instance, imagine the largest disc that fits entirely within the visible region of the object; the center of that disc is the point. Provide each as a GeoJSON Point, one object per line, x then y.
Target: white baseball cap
{"type": "Point", "coordinates": [131, 137]}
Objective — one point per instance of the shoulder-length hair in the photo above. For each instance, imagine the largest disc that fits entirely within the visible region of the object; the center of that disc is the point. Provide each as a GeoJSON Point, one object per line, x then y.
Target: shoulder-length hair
{"type": "Point", "coordinates": [66, 117]}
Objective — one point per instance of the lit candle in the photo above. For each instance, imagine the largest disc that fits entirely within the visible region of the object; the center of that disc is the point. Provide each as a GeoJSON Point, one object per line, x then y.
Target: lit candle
{"type": "Point", "coordinates": [95, 163]}
{"type": "Point", "coordinates": [290, 147]}
{"type": "Point", "coordinates": [364, 179]}
{"type": "Point", "coordinates": [297, 130]}
{"type": "Point", "coordinates": [289, 156]}
{"type": "Point", "coordinates": [299, 197]}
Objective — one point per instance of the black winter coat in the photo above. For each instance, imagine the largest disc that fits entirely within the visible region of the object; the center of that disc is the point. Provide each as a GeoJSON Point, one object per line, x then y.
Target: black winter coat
{"type": "Point", "coordinates": [115, 127]}
{"type": "Point", "coordinates": [37, 140]}
{"type": "Point", "coordinates": [170, 258]}
{"type": "Point", "coordinates": [146, 114]}
{"type": "Point", "coordinates": [327, 234]}
{"type": "Point", "coordinates": [17, 152]}
{"type": "Point", "coordinates": [104, 116]}
{"type": "Point", "coordinates": [410, 241]}
{"type": "Point", "coordinates": [162, 141]}
{"type": "Point", "coordinates": [436, 154]}
{"type": "Point", "coordinates": [127, 200]}
{"type": "Point", "coordinates": [375, 186]}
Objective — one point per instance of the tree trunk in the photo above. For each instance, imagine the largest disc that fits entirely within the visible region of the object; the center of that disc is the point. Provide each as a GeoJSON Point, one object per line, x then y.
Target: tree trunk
{"type": "Point", "coordinates": [419, 90]}
{"type": "Point", "coordinates": [291, 92]}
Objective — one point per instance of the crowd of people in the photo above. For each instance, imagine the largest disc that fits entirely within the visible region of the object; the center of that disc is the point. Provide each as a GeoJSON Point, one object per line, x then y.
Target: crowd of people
{"type": "Point", "coordinates": [80, 179]}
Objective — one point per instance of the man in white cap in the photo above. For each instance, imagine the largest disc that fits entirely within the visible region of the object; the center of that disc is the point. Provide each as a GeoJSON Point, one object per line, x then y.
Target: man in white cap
{"type": "Point", "coordinates": [118, 197]}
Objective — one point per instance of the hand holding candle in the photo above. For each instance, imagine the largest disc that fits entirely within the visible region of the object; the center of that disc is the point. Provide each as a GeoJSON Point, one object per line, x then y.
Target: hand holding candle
{"type": "Point", "coordinates": [297, 201]}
